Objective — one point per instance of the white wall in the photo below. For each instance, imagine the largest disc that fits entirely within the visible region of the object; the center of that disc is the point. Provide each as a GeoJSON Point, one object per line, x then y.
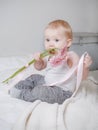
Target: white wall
{"type": "Point", "coordinates": [22, 22]}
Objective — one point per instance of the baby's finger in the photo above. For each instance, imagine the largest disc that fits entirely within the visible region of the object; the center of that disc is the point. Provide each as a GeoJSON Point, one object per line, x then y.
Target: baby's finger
{"type": "Point", "coordinates": [87, 60]}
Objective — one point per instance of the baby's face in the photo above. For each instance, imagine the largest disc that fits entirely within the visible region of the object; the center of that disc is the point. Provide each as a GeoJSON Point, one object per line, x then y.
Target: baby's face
{"type": "Point", "coordinates": [55, 38]}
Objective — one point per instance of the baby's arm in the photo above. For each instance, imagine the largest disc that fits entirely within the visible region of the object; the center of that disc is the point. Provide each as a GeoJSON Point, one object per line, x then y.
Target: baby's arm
{"type": "Point", "coordinates": [73, 60]}
{"type": "Point", "coordinates": [39, 63]}
{"type": "Point", "coordinates": [87, 63]}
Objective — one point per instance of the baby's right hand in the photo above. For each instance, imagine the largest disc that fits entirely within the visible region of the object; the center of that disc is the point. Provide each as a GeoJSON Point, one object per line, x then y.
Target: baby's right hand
{"type": "Point", "coordinates": [39, 63]}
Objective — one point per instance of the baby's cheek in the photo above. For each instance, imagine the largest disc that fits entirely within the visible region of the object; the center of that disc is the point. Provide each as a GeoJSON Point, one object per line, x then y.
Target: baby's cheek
{"type": "Point", "coordinates": [45, 45]}
{"type": "Point", "coordinates": [58, 46]}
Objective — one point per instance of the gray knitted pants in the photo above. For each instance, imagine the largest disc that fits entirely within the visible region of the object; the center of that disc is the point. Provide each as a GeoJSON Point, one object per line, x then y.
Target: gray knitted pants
{"type": "Point", "coordinates": [33, 88]}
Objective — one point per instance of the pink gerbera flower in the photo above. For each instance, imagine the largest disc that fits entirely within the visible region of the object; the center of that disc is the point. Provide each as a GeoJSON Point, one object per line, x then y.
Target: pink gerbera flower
{"type": "Point", "coordinates": [59, 58]}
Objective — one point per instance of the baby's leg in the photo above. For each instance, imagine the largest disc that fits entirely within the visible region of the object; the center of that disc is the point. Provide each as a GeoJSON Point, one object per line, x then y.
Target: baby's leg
{"type": "Point", "coordinates": [27, 84]}
{"type": "Point", "coordinates": [36, 79]}
{"type": "Point", "coordinates": [44, 93]}
{"type": "Point", "coordinates": [52, 94]}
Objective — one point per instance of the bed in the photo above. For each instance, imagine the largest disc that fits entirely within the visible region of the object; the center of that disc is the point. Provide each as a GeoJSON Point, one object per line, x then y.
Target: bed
{"type": "Point", "coordinates": [78, 113]}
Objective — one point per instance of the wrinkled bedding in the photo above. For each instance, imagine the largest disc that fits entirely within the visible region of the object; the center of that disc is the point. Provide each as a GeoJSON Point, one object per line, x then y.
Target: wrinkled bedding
{"type": "Point", "coordinates": [77, 113]}
{"type": "Point", "coordinates": [74, 114]}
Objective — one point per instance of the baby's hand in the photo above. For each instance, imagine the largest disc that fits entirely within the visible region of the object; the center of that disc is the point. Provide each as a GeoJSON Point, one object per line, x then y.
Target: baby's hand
{"type": "Point", "coordinates": [39, 62]}
{"type": "Point", "coordinates": [87, 60]}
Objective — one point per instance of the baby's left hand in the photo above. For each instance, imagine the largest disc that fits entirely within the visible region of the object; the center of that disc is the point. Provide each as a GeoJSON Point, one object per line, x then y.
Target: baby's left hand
{"type": "Point", "coordinates": [87, 60]}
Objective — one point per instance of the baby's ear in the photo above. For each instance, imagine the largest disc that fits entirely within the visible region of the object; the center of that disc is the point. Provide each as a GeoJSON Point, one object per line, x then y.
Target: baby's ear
{"type": "Point", "coordinates": [69, 42]}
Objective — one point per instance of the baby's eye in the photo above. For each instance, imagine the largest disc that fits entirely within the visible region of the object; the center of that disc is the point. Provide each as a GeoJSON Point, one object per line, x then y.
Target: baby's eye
{"type": "Point", "coordinates": [47, 40]}
{"type": "Point", "coordinates": [56, 40]}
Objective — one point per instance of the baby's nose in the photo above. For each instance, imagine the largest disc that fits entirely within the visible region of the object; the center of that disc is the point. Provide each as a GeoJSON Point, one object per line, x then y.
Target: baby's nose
{"type": "Point", "coordinates": [51, 46]}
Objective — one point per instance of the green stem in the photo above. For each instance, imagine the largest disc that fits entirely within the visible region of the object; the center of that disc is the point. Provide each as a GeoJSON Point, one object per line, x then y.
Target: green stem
{"type": "Point", "coordinates": [44, 54]}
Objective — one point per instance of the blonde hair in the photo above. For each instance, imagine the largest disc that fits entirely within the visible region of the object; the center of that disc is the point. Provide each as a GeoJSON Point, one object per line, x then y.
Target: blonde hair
{"type": "Point", "coordinates": [61, 23]}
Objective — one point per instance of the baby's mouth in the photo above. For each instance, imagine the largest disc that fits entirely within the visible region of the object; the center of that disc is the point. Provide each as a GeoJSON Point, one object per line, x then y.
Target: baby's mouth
{"type": "Point", "coordinates": [52, 51]}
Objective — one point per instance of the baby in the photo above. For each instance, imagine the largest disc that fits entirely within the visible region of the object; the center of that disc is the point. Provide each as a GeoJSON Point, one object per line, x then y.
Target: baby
{"type": "Point", "coordinates": [58, 34]}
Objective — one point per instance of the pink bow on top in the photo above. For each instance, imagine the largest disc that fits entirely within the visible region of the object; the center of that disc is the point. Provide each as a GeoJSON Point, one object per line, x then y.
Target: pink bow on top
{"type": "Point", "coordinates": [59, 58]}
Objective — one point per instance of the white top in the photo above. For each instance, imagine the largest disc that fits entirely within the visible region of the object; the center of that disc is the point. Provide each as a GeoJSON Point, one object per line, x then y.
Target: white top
{"type": "Point", "coordinates": [57, 73]}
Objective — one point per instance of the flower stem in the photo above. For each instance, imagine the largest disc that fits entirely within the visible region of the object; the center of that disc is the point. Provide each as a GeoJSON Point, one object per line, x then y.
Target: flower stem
{"type": "Point", "coordinates": [44, 54]}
